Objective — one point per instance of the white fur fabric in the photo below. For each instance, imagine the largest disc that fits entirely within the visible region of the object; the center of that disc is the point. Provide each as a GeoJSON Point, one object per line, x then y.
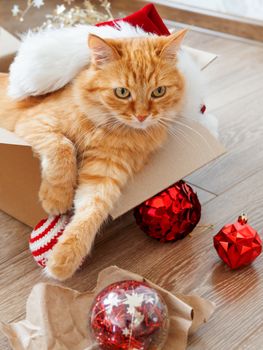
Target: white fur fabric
{"type": "Point", "coordinates": [48, 60]}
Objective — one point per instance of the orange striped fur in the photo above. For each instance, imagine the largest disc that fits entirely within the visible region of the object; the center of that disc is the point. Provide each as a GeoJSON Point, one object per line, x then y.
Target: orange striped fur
{"type": "Point", "coordinates": [90, 141]}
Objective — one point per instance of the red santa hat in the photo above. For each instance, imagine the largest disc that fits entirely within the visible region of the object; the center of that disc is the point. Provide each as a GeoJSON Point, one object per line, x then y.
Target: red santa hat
{"type": "Point", "coordinates": [146, 18]}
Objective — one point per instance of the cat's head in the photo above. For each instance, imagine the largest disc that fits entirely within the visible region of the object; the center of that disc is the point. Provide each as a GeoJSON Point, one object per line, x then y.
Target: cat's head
{"type": "Point", "coordinates": [134, 82]}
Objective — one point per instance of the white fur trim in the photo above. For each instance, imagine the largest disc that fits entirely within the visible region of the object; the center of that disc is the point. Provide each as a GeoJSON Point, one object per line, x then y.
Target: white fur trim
{"type": "Point", "coordinates": [210, 121]}
{"type": "Point", "coordinates": [48, 60]}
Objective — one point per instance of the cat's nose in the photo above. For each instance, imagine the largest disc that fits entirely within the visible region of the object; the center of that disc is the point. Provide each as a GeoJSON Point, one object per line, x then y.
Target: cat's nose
{"type": "Point", "coordinates": [142, 117]}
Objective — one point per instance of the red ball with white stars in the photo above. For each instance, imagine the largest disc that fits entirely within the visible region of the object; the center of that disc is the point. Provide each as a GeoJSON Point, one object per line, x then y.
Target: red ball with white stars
{"type": "Point", "coordinates": [129, 315]}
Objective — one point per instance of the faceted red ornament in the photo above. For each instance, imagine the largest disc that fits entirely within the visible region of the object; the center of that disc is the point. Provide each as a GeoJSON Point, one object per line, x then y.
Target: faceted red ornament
{"type": "Point", "coordinates": [129, 315]}
{"type": "Point", "coordinates": [238, 244]}
{"type": "Point", "coordinates": [171, 214]}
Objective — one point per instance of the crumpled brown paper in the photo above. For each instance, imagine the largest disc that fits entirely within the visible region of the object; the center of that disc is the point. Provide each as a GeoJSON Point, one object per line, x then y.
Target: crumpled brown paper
{"type": "Point", "coordinates": [57, 317]}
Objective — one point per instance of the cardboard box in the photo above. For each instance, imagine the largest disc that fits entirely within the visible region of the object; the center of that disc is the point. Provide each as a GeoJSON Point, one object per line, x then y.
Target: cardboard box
{"type": "Point", "coordinates": [8, 47]}
{"type": "Point", "coordinates": [20, 171]}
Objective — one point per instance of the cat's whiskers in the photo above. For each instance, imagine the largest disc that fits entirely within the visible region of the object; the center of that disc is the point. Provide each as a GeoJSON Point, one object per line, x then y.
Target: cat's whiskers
{"type": "Point", "coordinates": [81, 138]}
{"type": "Point", "coordinates": [172, 132]}
{"type": "Point", "coordinates": [184, 125]}
{"type": "Point", "coordinates": [179, 130]}
{"type": "Point", "coordinates": [108, 128]}
{"type": "Point", "coordinates": [149, 131]}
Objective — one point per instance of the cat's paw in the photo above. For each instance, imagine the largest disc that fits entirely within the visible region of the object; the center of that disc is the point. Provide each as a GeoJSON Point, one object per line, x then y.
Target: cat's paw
{"type": "Point", "coordinates": [56, 199]}
{"type": "Point", "coordinates": [65, 259]}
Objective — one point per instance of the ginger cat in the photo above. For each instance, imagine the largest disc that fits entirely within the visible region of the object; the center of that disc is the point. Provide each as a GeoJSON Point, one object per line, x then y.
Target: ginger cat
{"type": "Point", "coordinates": [95, 133]}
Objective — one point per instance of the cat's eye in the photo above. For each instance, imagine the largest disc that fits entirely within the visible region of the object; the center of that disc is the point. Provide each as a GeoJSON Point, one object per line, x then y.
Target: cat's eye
{"type": "Point", "coordinates": [122, 92]}
{"type": "Point", "coordinates": [159, 92]}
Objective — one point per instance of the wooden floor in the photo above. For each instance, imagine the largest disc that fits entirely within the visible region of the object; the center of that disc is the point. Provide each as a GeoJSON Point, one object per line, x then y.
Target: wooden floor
{"type": "Point", "coordinates": [228, 186]}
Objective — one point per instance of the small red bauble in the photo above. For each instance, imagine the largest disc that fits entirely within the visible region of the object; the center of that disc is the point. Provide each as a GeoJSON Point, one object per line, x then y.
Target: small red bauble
{"type": "Point", "coordinates": [203, 109]}
{"type": "Point", "coordinates": [45, 235]}
{"type": "Point", "coordinates": [171, 214]}
{"type": "Point", "coordinates": [238, 244]}
{"type": "Point", "coordinates": [129, 315]}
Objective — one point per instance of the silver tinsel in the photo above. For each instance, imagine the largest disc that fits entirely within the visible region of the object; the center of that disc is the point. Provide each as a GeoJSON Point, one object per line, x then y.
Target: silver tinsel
{"type": "Point", "coordinates": [68, 14]}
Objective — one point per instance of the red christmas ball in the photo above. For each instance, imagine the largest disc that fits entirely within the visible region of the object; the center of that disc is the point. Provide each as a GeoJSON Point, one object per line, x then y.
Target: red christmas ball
{"type": "Point", "coordinates": [129, 315]}
{"type": "Point", "coordinates": [171, 214]}
{"type": "Point", "coordinates": [238, 244]}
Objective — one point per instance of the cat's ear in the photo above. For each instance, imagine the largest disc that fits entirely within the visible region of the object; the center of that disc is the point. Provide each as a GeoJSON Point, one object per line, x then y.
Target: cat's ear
{"type": "Point", "coordinates": [102, 51]}
{"type": "Point", "coordinates": [173, 43]}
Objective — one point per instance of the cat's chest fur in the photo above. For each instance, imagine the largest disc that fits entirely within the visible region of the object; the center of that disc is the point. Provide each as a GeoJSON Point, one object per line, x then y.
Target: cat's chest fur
{"type": "Point", "coordinates": [123, 144]}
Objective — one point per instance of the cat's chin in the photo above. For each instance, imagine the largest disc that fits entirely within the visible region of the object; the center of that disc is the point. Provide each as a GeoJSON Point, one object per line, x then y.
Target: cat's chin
{"type": "Point", "coordinates": [140, 126]}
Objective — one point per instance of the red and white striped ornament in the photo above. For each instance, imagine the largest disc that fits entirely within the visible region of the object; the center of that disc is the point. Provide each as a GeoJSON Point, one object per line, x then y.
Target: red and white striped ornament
{"type": "Point", "coordinates": [45, 236]}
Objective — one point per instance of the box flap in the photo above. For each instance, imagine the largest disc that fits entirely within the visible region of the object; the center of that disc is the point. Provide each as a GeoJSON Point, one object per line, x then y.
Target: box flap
{"type": "Point", "coordinates": [8, 48]}
{"type": "Point", "coordinates": [19, 184]}
{"type": "Point", "coordinates": [202, 58]}
{"type": "Point", "coordinates": [8, 137]}
{"type": "Point", "coordinates": [177, 159]}
{"type": "Point", "coordinates": [8, 43]}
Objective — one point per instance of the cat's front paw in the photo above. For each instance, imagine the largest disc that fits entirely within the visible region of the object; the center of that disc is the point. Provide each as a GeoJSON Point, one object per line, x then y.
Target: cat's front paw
{"type": "Point", "coordinates": [65, 259]}
{"type": "Point", "coordinates": [56, 199]}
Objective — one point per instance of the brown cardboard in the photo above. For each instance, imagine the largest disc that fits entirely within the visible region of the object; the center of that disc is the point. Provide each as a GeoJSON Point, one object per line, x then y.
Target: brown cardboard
{"type": "Point", "coordinates": [8, 47]}
{"type": "Point", "coordinates": [202, 58]}
{"type": "Point", "coordinates": [58, 316]}
{"type": "Point", "coordinates": [173, 162]}
{"type": "Point", "coordinates": [20, 175]}
{"type": "Point", "coordinates": [19, 180]}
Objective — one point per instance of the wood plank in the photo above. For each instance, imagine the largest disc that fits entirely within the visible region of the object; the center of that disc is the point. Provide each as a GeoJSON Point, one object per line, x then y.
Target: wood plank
{"type": "Point", "coordinates": [241, 133]}
{"type": "Point", "coordinates": [238, 83]}
{"type": "Point", "coordinates": [204, 19]}
{"type": "Point", "coordinates": [237, 293]}
{"type": "Point", "coordinates": [188, 266]}
{"type": "Point", "coordinates": [203, 196]}
{"type": "Point", "coordinates": [12, 246]}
